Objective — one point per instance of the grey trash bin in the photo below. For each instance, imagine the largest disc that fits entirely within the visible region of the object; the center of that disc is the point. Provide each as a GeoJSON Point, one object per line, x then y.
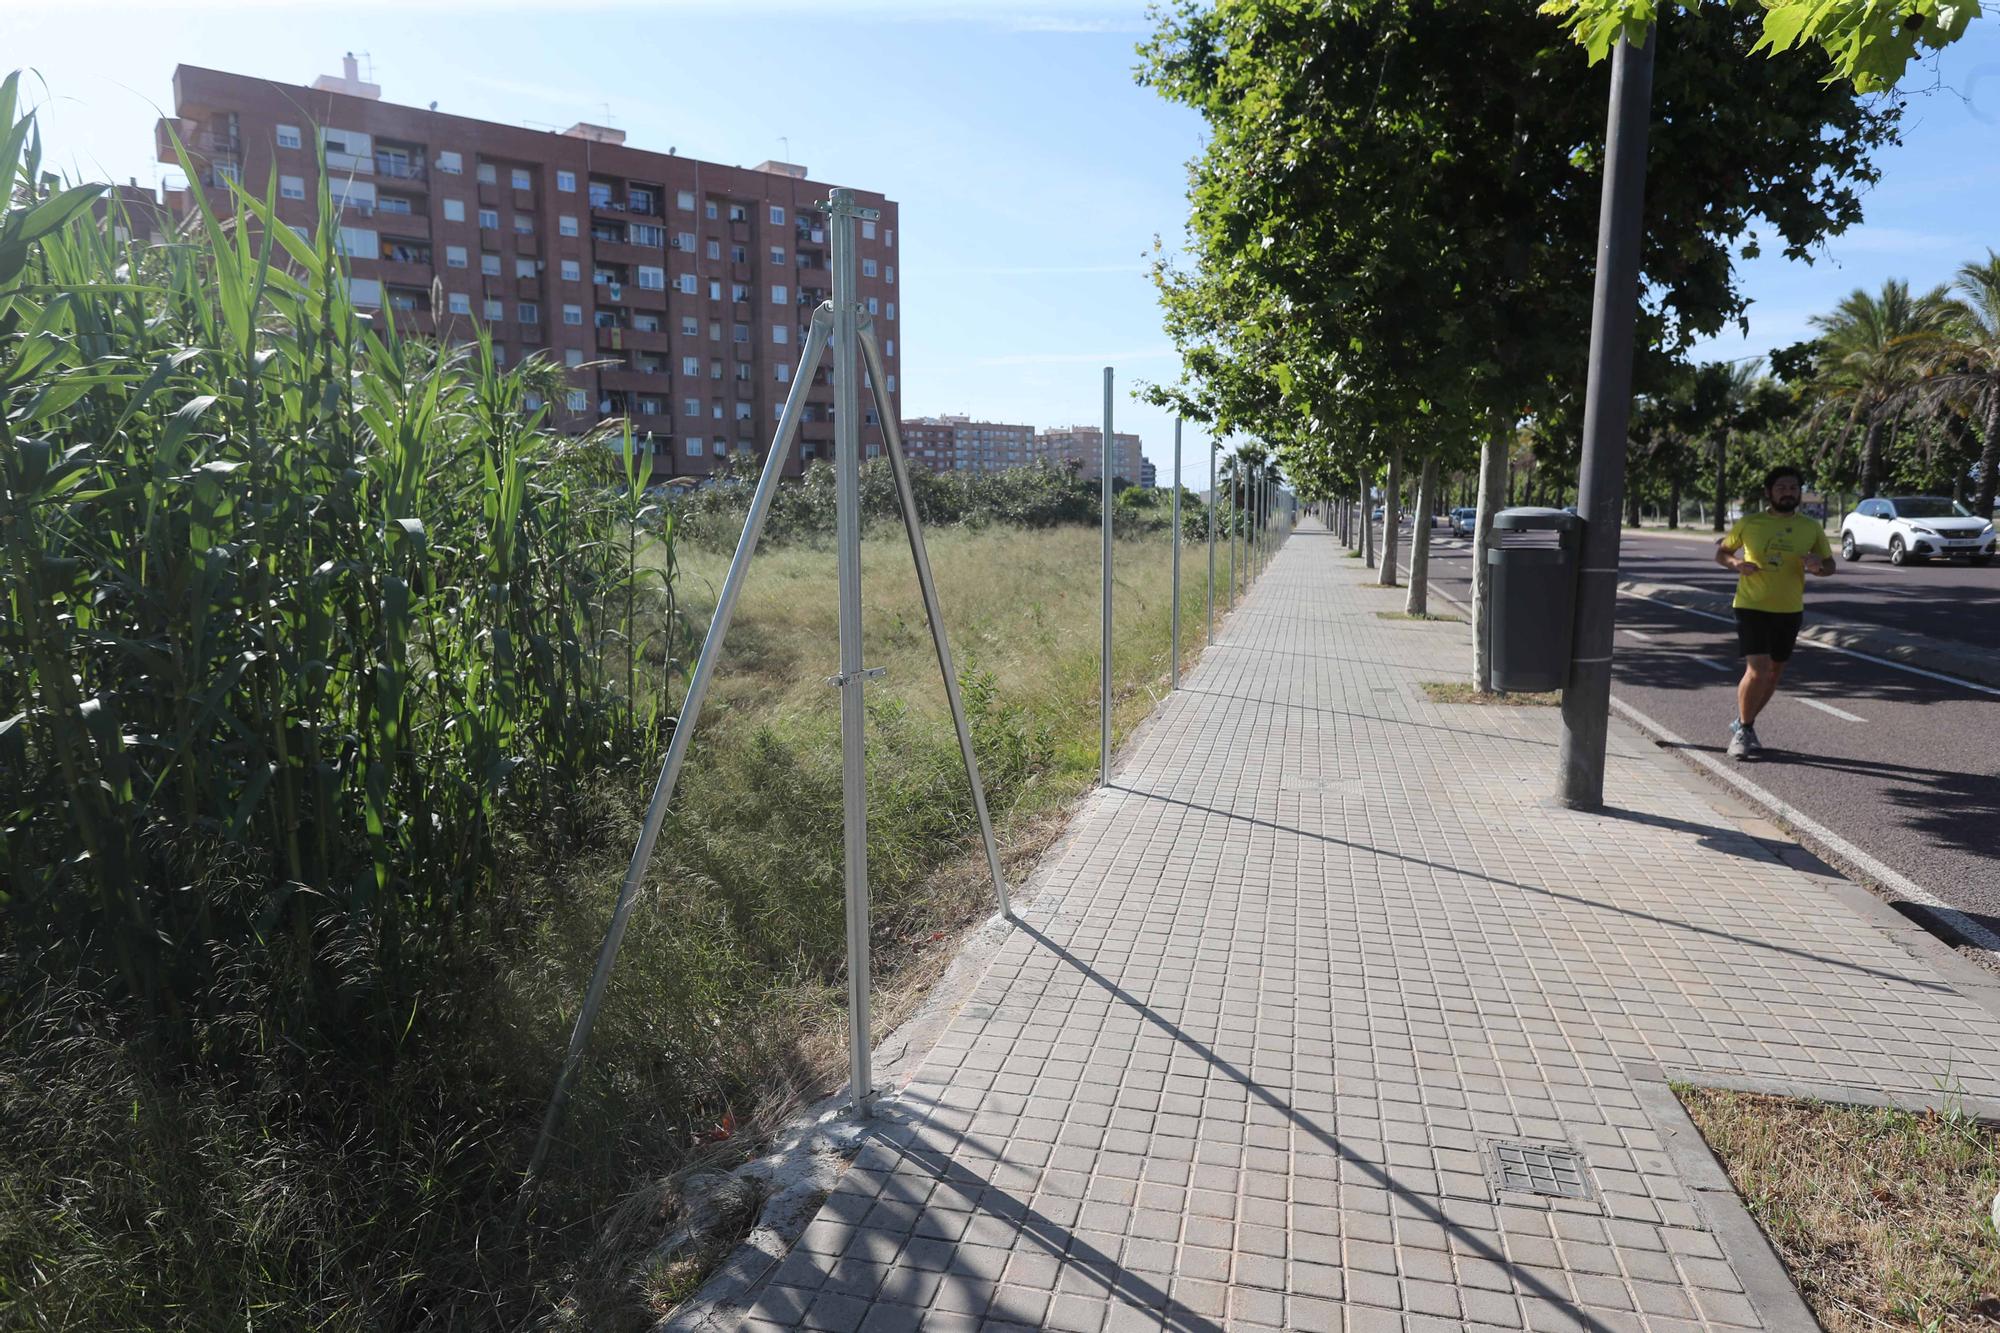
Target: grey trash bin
{"type": "Point", "coordinates": [1532, 564]}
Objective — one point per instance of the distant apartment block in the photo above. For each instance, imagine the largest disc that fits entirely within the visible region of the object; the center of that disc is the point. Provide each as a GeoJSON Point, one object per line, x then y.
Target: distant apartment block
{"type": "Point", "coordinates": [678, 292]}
{"type": "Point", "coordinates": [960, 444]}
{"type": "Point", "coordinates": [1085, 445]}
{"type": "Point", "coordinates": [1149, 476]}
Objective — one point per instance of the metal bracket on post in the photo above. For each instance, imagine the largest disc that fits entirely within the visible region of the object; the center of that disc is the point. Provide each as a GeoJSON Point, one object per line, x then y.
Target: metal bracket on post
{"type": "Point", "coordinates": [865, 674]}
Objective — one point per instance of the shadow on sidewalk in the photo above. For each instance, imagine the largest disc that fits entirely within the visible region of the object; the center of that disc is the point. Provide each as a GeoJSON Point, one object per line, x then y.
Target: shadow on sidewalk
{"type": "Point", "coordinates": [1763, 854]}
{"type": "Point", "coordinates": [1424, 1206]}
{"type": "Point", "coordinates": [1370, 717]}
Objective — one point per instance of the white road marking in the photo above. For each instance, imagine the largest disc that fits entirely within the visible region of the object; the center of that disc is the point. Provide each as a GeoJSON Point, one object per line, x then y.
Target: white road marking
{"type": "Point", "coordinates": [1959, 681]}
{"type": "Point", "coordinates": [1967, 926]}
{"type": "Point", "coordinates": [1711, 662]}
{"type": "Point", "coordinates": [1642, 638]}
{"type": "Point", "coordinates": [1840, 713]}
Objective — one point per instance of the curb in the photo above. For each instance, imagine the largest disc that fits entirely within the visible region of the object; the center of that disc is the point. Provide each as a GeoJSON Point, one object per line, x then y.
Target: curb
{"type": "Point", "coordinates": [1900, 646]}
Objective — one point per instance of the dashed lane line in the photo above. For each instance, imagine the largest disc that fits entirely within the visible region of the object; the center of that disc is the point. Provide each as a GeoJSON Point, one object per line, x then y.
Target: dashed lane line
{"type": "Point", "coordinates": [1840, 713]}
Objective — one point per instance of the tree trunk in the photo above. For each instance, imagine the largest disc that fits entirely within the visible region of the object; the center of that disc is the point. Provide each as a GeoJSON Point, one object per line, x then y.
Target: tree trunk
{"type": "Point", "coordinates": [1631, 509]}
{"type": "Point", "coordinates": [1989, 453]}
{"type": "Point", "coordinates": [1674, 503]}
{"type": "Point", "coordinates": [1392, 497]}
{"type": "Point", "coordinates": [1367, 528]}
{"type": "Point", "coordinates": [1492, 479]}
{"type": "Point", "coordinates": [1722, 482]}
{"type": "Point", "coordinates": [1417, 603]}
{"type": "Point", "coordinates": [1871, 459]}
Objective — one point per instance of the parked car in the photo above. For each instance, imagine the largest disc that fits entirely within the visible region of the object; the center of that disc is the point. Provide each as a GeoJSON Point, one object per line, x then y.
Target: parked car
{"type": "Point", "coordinates": [1907, 527]}
{"type": "Point", "coordinates": [1463, 521]}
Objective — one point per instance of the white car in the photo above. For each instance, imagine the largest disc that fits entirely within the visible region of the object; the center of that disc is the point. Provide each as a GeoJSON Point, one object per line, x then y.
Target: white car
{"type": "Point", "coordinates": [1915, 527]}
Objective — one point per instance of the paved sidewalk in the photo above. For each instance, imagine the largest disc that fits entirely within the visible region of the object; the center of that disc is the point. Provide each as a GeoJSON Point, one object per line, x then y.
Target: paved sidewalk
{"type": "Point", "coordinates": [1319, 947]}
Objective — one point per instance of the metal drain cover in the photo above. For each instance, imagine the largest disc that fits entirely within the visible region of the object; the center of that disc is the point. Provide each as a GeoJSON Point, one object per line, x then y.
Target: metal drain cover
{"type": "Point", "coordinates": [1537, 1168]}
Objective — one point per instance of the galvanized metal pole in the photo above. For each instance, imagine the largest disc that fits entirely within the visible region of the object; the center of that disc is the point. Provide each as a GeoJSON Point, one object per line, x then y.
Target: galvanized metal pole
{"type": "Point", "coordinates": [892, 435]}
{"type": "Point", "coordinates": [1212, 507]}
{"type": "Point", "coordinates": [684, 726]}
{"type": "Point", "coordinates": [1174, 634]}
{"type": "Point", "coordinates": [1235, 509]}
{"type": "Point", "coordinates": [1607, 412]}
{"type": "Point", "coordinates": [853, 707]}
{"type": "Point", "coordinates": [1104, 596]}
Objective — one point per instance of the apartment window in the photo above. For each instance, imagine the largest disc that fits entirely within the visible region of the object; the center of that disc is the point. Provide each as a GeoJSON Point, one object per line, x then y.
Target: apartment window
{"type": "Point", "coordinates": [566, 225]}
{"type": "Point", "coordinates": [685, 199]}
{"type": "Point", "coordinates": [499, 354]}
{"type": "Point", "coordinates": [578, 400]}
{"type": "Point", "coordinates": [714, 290]}
{"type": "Point", "coordinates": [645, 233]}
{"type": "Point", "coordinates": [742, 372]}
{"type": "Point", "coordinates": [780, 294]}
{"type": "Point", "coordinates": [889, 274]}
{"type": "Point", "coordinates": [891, 346]}
{"type": "Point", "coordinates": [715, 370]}
{"type": "Point", "coordinates": [572, 357]}
{"type": "Point", "coordinates": [777, 216]}
{"type": "Point", "coordinates": [715, 411]}
{"type": "Point", "coordinates": [489, 219]}
{"type": "Point", "coordinates": [652, 279]}
{"type": "Point", "coordinates": [691, 365]}
{"type": "Point", "coordinates": [742, 334]}
{"type": "Point", "coordinates": [739, 291]}
{"type": "Point", "coordinates": [299, 231]}
{"type": "Point", "coordinates": [649, 407]}
{"type": "Point", "coordinates": [689, 285]}
{"type": "Point", "coordinates": [451, 163]}
{"type": "Point", "coordinates": [684, 240]}
{"type": "Point", "coordinates": [889, 238]}
{"type": "Point", "coordinates": [292, 187]}
{"type": "Point", "coordinates": [524, 268]}
{"type": "Point", "coordinates": [892, 384]}
{"type": "Point", "coordinates": [364, 291]}
{"type": "Point", "coordinates": [458, 303]}
{"type": "Point", "coordinates": [566, 181]}
{"type": "Point", "coordinates": [694, 446]}
{"type": "Point", "coordinates": [288, 136]}
{"type": "Point", "coordinates": [868, 269]}
{"type": "Point", "coordinates": [738, 213]}
{"type": "Point", "coordinates": [358, 243]}
{"type": "Point", "coordinates": [488, 175]}
{"type": "Point", "coordinates": [691, 406]}
{"type": "Point", "coordinates": [392, 203]}
{"type": "Point", "coordinates": [784, 373]}
{"type": "Point", "coordinates": [714, 249]}
{"type": "Point", "coordinates": [529, 312]}
{"type": "Point", "coordinates": [454, 256]}
{"type": "Point", "coordinates": [690, 327]}
{"type": "Point", "coordinates": [892, 310]}
{"type": "Point", "coordinates": [709, 211]}
{"type": "Point", "coordinates": [521, 179]}
{"type": "Point", "coordinates": [778, 255]}
{"type": "Point", "coordinates": [493, 309]}
{"type": "Point", "coordinates": [454, 210]}
{"type": "Point", "coordinates": [743, 411]}
{"type": "Point", "coordinates": [523, 225]}
{"type": "Point", "coordinates": [867, 230]}
{"type": "Point", "coordinates": [572, 271]}
{"type": "Point", "coordinates": [573, 314]}
{"type": "Point", "coordinates": [780, 334]}
{"type": "Point", "coordinates": [874, 306]}
{"type": "Point", "coordinates": [489, 263]}
{"type": "Point", "coordinates": [646, 323]}
{"type": "Point", "coordinates": [641, 200]}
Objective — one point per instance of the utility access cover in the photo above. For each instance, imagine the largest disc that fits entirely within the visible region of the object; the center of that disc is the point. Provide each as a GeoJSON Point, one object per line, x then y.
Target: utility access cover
{"type": "Point", "coordinates": [1537, 1168]}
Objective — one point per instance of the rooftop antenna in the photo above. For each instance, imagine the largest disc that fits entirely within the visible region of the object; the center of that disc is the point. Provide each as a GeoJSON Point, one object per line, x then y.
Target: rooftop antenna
{"type": "Point", "coordinates": [788, 147]}
{"type": "Point", "coordinates": [371, 67]}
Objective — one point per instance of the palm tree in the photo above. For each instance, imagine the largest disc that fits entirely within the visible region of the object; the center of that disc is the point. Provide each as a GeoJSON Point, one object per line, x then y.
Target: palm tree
{"type": "Point", "coordinates": [1968, 363]}
{"type": "Point", "coordinates": [1724, 393]}
{"type": "Point", "coordinates": [1876, 348]}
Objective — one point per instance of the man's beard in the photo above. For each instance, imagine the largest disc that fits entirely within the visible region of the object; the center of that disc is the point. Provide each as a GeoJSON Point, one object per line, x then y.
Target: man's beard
{"type": "Point", "coordinates": [1786, 505]}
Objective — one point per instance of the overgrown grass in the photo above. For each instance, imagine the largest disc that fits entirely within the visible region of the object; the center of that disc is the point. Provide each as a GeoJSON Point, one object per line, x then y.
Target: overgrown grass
{"type": "Point", "coordinates": [1463, 692]}
{"type": "Point", "coordinates": [1883, 1217]}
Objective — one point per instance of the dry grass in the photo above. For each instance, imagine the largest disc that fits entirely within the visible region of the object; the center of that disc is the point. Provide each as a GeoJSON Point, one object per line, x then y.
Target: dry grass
{"type": "Point", "coordinates": [1462, 692]}
{"type": "Point", "coordinates": [1884, 1218]}
{"type": "Point", "coordinates": [1421, 615]}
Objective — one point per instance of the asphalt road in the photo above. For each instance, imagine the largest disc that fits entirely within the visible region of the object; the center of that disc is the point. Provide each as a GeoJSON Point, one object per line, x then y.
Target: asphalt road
{"type": "Point", "coordinates": [1945, 600]}
{"type": "Point", "coordinates": [1904, 766]}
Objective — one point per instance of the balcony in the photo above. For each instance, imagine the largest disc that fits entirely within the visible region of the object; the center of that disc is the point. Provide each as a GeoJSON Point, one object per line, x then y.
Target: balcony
{"type": "Point", "coordinates": [527, 288]}
{"type": "Point", "coordinates": [631, 340]}
{"type": "Point", "coordinates": [397, 168]}
{"type": "Point", "coordinates": [624, 252]}
{"type": "Point", "coordinates": [348, 163]}
{"type": "Point", "coordinates": [409, 320]}
{"type": "Point", "coordinates": [526, 244]}
{"type": "Point", "coordinates": [644, 298]}
{"type": "Point", "coordinates": [396, 272]}
{"type": "Point", "coordinates": [410, 227]}
{"type": "Point", "coordinates": [634, 381]}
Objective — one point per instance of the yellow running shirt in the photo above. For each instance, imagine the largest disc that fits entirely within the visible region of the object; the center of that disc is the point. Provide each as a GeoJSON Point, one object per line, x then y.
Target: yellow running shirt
{"type": "Point", "coordinates": [1778, 544]}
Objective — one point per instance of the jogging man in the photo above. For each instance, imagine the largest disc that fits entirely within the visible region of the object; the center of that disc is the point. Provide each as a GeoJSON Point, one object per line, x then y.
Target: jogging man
{"type": "Point", "coordinates": [1771, 553]}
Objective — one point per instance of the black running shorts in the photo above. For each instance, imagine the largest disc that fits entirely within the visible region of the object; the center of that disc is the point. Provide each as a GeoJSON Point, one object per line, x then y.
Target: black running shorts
{"type": "Point", "coordinates": [1767, 633]}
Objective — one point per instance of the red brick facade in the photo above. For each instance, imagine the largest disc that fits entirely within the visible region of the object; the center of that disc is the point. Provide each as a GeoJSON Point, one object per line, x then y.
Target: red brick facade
{"type": "Point", "coordinates": [694, 281]}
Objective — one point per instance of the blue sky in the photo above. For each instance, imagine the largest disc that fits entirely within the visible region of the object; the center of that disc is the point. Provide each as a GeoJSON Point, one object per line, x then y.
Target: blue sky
{"type": "Point", "coordinates": [1032, 173]}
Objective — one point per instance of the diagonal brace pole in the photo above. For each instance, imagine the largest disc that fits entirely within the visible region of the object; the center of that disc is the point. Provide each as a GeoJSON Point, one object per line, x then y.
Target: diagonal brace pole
{"type": "Point", "coordinates": [684, 725]}
{"type": "Point", "coordinates": [892, 435]}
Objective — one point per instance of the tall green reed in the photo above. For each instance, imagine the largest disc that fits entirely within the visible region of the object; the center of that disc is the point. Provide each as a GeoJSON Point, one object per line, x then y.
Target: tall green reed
{"type": "Point", "coordinates": [302, 621]}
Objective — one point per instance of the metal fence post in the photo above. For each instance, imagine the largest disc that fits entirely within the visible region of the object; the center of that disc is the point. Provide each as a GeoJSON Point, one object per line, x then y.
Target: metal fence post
{"type": "Point", "coordinates": [1174, 634]}
{"type": "Point", "coordinates": [853, 707]}
{"type": "Point", "coordinates": [1104, 648]}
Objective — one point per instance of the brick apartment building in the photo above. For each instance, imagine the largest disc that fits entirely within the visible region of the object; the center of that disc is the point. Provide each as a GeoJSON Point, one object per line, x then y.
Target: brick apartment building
{"type": "Point", "coordinates": [694, 281]}
{"type": "Point", "coordinates": [960, 444]}
{"type": "Point", "coordinates": [1085, 445]}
